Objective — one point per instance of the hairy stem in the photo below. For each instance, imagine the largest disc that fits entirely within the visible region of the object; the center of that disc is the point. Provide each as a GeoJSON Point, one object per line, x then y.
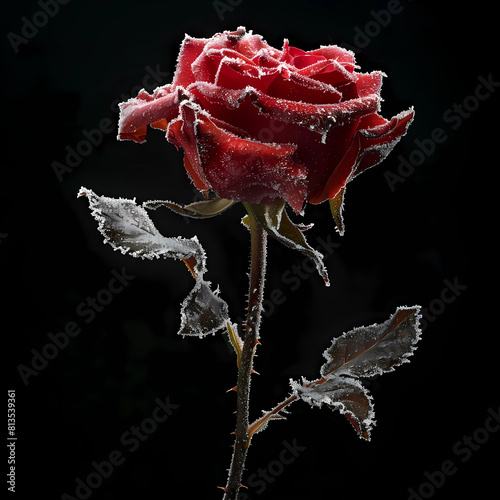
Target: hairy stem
{"type": "Point", "coordinates": [258, 238]}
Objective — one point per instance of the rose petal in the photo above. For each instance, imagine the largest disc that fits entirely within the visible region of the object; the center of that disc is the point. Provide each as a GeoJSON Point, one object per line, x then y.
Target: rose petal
{"type": "Point", "coordinates": [369, 83]}
{"type": "Point", "coordinates": [298, 57]}
{"type": "Point", "coordinates": [304, 89]}
{"type": "Point", "coordinates": [236, 168]}
{"type": "Point", "coordinates": [249, 45]}
{"type": "Point", "coordinates": [267, 58]}
{"type": "Point", "coordinates": [190, 50]}
{"type": "Point", "coordinates": [380, 140]}
{"type": "Point", "coordinates": [343, 56]}
{"type": "Point", "coordinates": [368, 148]}
{"type": "Point", "coordinates": [182, 133]}
{"type": "Point", "coordinates": [237, 74]}
{"type": "Point", "coordinates": [235, 107]}
{"type": "Point", "coordinates": [331, 72]}
{"type": "Point", "coordinates": [205, 66]}
{"type": "Point", "coordinates": [137, 113]}
{"type": "Point", "coordinates": [319, 118]}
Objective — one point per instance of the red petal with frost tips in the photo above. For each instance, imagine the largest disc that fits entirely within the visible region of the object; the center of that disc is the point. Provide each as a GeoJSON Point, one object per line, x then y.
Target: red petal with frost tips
{"type": "Point", "coordinates": [368, 147]}
{"type": "Point", "coordinates": [190, 50]}
{"type": "Point", "coordinates": [335, 53]}
{"type": "Point", "coordinates": [204, 68]}
{"type": "Point", "coordinates": [182, 134]}
{"type": "Point", "coordinates": [235, 74]}
{"type": "Point", "coordinates": [302, 88]}
{"type": "Point", "coordinates": [145, 109]}
{"type": "Point", "coordinates": [368, 83]}
{"type": "Point", "coordinates": [319, 118]}
{"type": "Point", "coordinates": [237, 168]}
{"type": "Point", "coordinates": [257, 123]}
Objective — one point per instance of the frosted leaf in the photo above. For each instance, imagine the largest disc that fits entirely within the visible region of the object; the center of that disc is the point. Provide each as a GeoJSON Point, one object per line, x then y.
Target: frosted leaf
{"type": "Point", "coordinates": [127, 227]}
{"type": "Point", "coordinates": [376, 349]}
{"type": "Point", "coordinates": [359, 353]}
{"type": "Point", "coordinates": [344, 394]}
{"type": "Point", "coordinates": [203, 312]}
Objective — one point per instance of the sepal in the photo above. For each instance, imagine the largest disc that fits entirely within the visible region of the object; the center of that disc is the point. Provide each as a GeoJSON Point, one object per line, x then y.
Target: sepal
{"type": "Point", "coordinates": [274, 219]}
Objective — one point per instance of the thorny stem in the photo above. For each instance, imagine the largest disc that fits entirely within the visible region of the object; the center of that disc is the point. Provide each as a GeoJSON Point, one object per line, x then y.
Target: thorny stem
{"type": "Point", "coordinates": [258, 239]}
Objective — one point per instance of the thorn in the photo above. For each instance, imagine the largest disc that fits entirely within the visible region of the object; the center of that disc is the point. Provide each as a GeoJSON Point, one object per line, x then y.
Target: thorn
{"type": "Point", "coordinates": [235, 389]}
{"type": "Point", "coordinates": [243, 486]}
{"type": "Point", "coordinates": [222, 488]}
{"type": "Point", "coordinates": [233, 433]}
{"type": "Point", "coordinates": [257, 342]}
{"type": "Point", "coordinates": [277, 416]}
{"type": "Point", "coordinates": [256, 373]}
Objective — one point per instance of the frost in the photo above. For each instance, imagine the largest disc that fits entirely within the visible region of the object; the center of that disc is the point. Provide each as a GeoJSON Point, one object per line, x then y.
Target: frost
{"type": "Point", "coordinates": [203, 312]}
{"type": "Point", "coordinates": [127, 227]}
{"type": "Point", "coordinates": [347, 395]}
{"type": "Point", "coordinates": [359, 353]}
{"type": "Point", "coordinates": [376, 349]}
{"type": "Point", "coordinates": [276, 222]}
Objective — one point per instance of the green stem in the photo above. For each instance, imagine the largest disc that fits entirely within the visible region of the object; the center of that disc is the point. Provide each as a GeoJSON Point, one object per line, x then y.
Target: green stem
{"type": "Point", "coordinates": [258, 239]}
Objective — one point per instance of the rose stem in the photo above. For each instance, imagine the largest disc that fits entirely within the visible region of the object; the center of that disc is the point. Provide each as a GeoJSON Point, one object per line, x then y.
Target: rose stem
{"type": "Point", "coordinates": [258, 240]}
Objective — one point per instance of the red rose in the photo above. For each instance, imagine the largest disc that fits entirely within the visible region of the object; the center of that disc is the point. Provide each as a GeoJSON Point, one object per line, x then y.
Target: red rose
{"type": "Point", "coordinates": [258, 124]}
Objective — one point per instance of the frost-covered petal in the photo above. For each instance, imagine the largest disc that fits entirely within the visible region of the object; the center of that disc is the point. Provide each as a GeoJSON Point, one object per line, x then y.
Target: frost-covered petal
{"type": "Point", "coordinates": [145, 109]}
{"type": "Point", "coordinates": [368, 147]}
{"type": "Point", "coordinates": [190, 50]}
{"type": "Point", "coordinates": [369, 83]}
{"type": "Point", "coordinates": [319, 118]}
{"type": "Point", "coordinates": [236, 73]}
{"type": "Point", "coordinates": [205, 66]}
{"type": "Point", "coordinates": [379, 140]}
{"type": "Point", "coordinates": [242, 89]}
{"type": "Point", "coordinates": [300, 88]}
{"type": "Point", "coordinates": [240, 169]}
{"type": "Point", "coordinates": [336, 53]}
{"type": "Point", "coordinates": [182, 134]}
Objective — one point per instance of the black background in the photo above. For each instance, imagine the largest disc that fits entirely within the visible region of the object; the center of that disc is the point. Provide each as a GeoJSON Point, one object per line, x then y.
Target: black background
{"type": "Point", "coordinates": [399, 248]}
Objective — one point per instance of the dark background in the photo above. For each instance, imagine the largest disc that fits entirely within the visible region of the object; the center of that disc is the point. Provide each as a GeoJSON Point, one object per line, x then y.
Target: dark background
{"type": "Point", "coordinates": [399, 248]}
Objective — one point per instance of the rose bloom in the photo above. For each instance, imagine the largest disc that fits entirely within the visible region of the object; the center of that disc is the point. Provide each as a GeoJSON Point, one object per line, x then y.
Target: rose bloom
{"type": "Point", "coordinates": [258, 124]}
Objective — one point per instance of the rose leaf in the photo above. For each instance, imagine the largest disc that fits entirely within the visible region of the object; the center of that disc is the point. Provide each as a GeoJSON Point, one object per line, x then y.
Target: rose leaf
{"type": "Point", "coordinates": [127, 227]}
{"type": "Point", "coordinates": [363, 352]}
